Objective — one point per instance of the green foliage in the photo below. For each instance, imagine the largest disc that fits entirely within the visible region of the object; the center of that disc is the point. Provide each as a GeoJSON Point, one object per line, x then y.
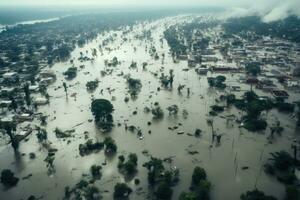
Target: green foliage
{"type": "Point", "coordinates": [102, 109]}
{"type": "Point", "coordinates": [61, 134]}
{"type": "Point", "coordinates": [8, 179]}
{"type": "Point", "coordinates": [89, 147]}
{"type": "Point", "coordinates": [292, 192]}
{"type": "Point", "coordinates": [82, 190]}
{"type": "Point", "coordinates": [230, 99]}
{"type": "Point", "coordinates": [110, 145]}
{"type": "Point", "coordinates": [285, 107]}
{"type": "Point", "coordinates": [177, 46]}
{"type": "Point", "coordinates": [217, 108]}
{"type": "Point", "coordinates": [96, 171]}
{"type": "Point", "coordinates": [92, 85]}
{"type": "Point", "coordinates": [253, 106]}
{"type": "Point", "coordinates": [282, 165]}
{"type": "Point", "coordinates": [282, 160]}
{"type": "Point", "coordinates": [155, 168]}
{"type": "Point", "coordinates": [164, 191]}
{"type": "Point", "coordinates": [202, 190]}
{"type": "Point", "coordinates": [122, 191]}
{"type": "Point", "coordinates": [134, 86]}
{"type": "Point", "coordinates": [130, 166]}
{"type": "Point", "coordinates": [157, 112]}
{"type": "Point", "coordinates": [199, 174]}
{"type": "Point", "coordinates": [217, 82]}
{"type": "Point", "coordinates": [274, 29]}
{"type": "Point", "coordinates": [200, 187]}
{"type": "Point", "coordinates": [256, 195]}
{"type": "Point", "coordinates": [255, 124]}
{"type": "Point", "coordinates": [188, 196]}
{"type": "Point", "coordinates": [253, 68]}
{"type": "Point", "coordinates": [42, 135]}
{"type": "Point", "coordinates": [71, 73]}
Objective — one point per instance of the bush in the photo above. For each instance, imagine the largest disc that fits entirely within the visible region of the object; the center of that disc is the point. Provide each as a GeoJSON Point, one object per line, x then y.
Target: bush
{"type": "Point", "coordinates": [199, 174]}
{"type": "Point", "coordinates": [255, 125]}
{"type": "Point", "coordinates": [285, 107]}
{"type": "Point", "coordinates": [96, 171]}
{"type": "Point", "coordinates": [121, 191]}
{"type": "Point", "coordinates": [292, 192]}
{"type": "Point", "coordinates": [8, 179]}
{"type": "Point", "coordinates": [164, 191]}
{"type": "Point", "coordinates": [256, 195]}
{"type": "Point", "coordinates": [92, 85]}
{"type": "Point", "coordinates": [110, 145]}
{"type": "Point", "coordinates": [89, 147]}
{"type": "Point", "coordinates": [71, 73]}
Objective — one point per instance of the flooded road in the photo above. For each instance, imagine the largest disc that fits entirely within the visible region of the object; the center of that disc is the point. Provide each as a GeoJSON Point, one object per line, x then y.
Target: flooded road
{"type": "Point", "coordinates": [223, 162]}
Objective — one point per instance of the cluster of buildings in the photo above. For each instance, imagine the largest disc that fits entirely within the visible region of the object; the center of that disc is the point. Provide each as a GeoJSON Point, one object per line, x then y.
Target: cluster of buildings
{"type": "Point", "coordinates": [277, 59]}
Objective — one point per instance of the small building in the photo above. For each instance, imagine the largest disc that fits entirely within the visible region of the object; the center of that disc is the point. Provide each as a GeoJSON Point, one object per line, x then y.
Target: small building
{"type": "Point", "coordinates": [10, 76]}
{"type": "Point", "coordinates": [46, 81]}
{"type": "Point", "coordinates": [34, 88]}
{"type": "Point", "coordinates": [24, 117]}
{"type": "Point", "coordinates": [47, 73]}
{"type": "Point", "coordinates": [41, 101]}
{"type": "Point", "coordinates": [7, 91]}
{"type": "Point", "coordinates": [202, 71]}
{"type": "Point", "coordinates": [5, 103]}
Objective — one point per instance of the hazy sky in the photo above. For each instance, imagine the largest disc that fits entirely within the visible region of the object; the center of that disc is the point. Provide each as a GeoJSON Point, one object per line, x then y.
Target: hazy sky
{"type": "Point", "coordinates": [270, 10]}
{"type": "Point", "coordinates": [125, 2]}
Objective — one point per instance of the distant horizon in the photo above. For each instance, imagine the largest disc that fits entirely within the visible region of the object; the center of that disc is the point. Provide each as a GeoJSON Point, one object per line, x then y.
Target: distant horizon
{"type": "Point", "coordinates": [10, 15]}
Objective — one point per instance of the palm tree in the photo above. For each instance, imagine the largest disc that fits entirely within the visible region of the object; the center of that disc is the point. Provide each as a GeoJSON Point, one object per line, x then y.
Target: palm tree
{"type": "Point", "coordinates": [65, 88]}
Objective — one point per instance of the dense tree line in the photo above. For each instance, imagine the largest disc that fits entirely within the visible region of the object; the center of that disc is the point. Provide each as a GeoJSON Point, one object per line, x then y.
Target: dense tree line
{"type": "Point", "coordinates": [287, 28]}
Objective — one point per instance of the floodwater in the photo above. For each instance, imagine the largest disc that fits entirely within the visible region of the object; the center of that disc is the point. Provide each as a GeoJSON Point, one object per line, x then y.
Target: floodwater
{"type": "Point", "coordinates": [5, 27]}
{"type": "Point", "coordinates": [223, 163]}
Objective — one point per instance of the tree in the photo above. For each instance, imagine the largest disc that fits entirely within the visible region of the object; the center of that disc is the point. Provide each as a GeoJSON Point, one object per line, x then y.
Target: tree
{"type": "Point", "coordinates": [65, 88]}
{"type": "Point", "coordinates": [71, 73]}
{"type": "Point", "coordinates": [9, 128]}
{"type": "Point", "coordinates": [187, 196]}
{"type": "Point", "coordinates": [110, 145]}
{"type": "Point", "coordinates": [253, 68]}
{"type": "Point", "coordinates": [292, 192]}
{"type": "Point", "coordinates": [256, 195]}
{"type": "Point", "coordinates": [42, 134]}
{"type": "Point", "coordinates": [198, 175]}
{"type": "Point", "coordinates": [164, 191]}
{"type": "Point", "coordinates": [130, 165]}
{"type": "Point", "coordinates": [8, 179]}
{"type": "Point", "coordinates": [92, 85]}
{"type": "Point", "coordinates": [155, 167]}
{"type": "Point", "coordinates": [101, 109]}
{"type": "Point", "coordinates": [96, 171]}
{"type": "Point", "coordinates": [27, 94]}
{"type": "Point", "coordinates": [121, 191]}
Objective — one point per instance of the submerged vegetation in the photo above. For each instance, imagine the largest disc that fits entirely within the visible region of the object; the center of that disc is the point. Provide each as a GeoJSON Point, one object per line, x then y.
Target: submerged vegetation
{"type": "Point", "coordinates": [102, 110]}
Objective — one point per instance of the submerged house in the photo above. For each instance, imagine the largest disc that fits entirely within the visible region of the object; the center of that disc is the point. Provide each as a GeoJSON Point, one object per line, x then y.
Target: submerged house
{"type": "Point", "coordinates": [280, 94]}
{"type": "Point", "coordinates": [10, 76]}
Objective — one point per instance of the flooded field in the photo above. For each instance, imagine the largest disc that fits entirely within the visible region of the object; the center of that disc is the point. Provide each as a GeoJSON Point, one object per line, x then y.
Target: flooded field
{"type": "Point", "coordinates": [233, 166]}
